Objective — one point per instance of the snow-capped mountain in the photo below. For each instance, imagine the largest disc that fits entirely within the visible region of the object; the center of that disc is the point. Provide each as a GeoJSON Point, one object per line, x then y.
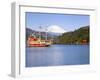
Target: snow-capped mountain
{"type": "Point", "coordinates": [56, 29]}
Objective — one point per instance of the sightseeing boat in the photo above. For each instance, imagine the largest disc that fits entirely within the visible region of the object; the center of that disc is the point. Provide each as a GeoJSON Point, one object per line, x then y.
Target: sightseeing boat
{"type": "Point", "coordinates": [34, 41]}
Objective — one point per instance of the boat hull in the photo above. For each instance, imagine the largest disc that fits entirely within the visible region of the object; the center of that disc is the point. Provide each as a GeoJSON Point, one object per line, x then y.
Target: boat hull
{"type": "Point", "coordinates": [38, 45]}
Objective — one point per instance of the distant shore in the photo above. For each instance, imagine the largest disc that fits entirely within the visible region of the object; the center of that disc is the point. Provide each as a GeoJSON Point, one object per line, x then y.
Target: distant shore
{"type": "Point", "coordinates": [70, 44]}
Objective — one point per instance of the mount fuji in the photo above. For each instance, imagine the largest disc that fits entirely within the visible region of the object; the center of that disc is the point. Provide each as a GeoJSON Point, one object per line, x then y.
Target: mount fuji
{"type": "Point", "coordinates": [56, 29]}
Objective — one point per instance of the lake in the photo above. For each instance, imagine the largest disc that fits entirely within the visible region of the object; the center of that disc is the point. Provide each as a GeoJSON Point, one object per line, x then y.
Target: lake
{"type": "Point", "coordinates": [57, 55]}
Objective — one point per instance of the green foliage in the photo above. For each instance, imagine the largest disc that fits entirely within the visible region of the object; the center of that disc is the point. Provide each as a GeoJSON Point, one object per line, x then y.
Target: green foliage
{"type": "Point", "coordinates": [78, 36]}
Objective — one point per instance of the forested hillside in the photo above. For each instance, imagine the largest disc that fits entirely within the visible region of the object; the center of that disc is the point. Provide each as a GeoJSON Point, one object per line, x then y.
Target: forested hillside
{"type": "Point", "coordinates": [79, 36]}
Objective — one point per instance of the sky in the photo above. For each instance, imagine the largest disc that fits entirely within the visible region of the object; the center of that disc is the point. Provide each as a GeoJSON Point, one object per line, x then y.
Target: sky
{"type": "Point", "coordinates": [68, 22]}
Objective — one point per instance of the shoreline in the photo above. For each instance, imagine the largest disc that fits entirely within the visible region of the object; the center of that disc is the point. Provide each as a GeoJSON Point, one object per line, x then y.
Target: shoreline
{"type": "Point", "coordinates": [70, 44]}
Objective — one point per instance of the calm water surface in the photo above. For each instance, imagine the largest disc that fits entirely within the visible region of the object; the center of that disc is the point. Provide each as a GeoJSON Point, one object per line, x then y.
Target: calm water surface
{"type": "Point", "coordinates": [57, 55]}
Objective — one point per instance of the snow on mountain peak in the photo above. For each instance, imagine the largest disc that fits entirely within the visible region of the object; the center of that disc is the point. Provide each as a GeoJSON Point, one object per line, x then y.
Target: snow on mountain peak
{"type": "Point", "coordinates": [55, 29]}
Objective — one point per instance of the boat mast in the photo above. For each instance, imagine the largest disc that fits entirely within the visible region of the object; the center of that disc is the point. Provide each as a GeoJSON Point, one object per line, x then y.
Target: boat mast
{"type": "Point", "coordinates": [40, 32]}
{"type": "Point", "coordinates": [46, 34]}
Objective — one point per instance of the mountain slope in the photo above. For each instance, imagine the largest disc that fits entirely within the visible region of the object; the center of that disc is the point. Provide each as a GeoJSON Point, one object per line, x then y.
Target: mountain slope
{"type": "Point", "coordinates": [79, 36]}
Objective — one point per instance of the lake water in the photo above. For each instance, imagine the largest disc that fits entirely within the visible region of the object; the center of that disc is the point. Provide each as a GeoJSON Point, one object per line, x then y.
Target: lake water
{"type": "Point", "coordinates": [57, 55]}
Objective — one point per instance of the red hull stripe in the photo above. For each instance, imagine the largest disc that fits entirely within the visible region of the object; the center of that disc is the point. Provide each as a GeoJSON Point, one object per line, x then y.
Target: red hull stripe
{"type": "Point", "coordinates": [37, 45]}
